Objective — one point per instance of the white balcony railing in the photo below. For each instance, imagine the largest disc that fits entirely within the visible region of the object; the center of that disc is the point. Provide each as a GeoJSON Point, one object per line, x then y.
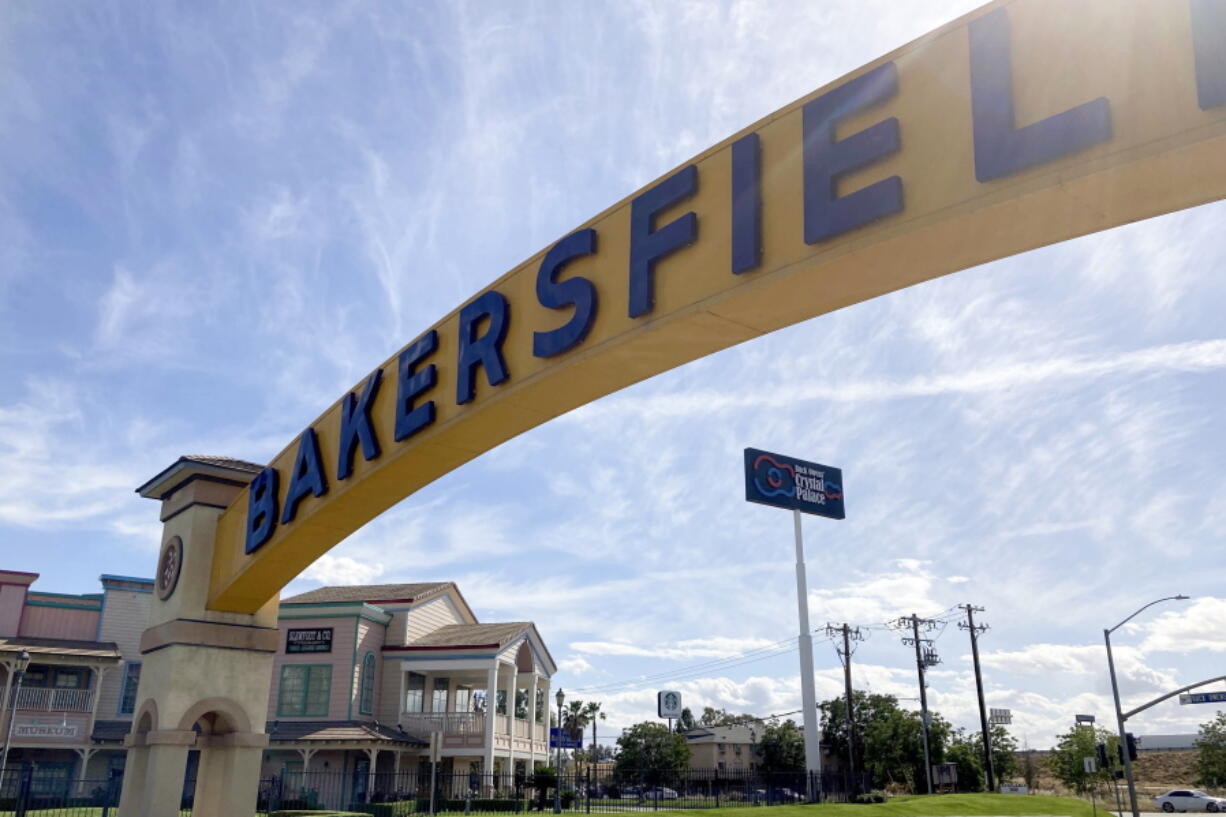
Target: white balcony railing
{"type": "Point", "coordinates": [449, 723]}
{"type": "Point", "coordinates": [53, 700]}
{"type": "Point", "coordinates": [467, 723]}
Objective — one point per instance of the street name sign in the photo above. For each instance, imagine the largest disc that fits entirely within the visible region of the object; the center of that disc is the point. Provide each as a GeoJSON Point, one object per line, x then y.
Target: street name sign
{"type": "Point", "coordinates": [561, 739]}
{"type": "Point", "coordinates": [786, 482]}
{"type": "Point", "coordinates": [1203, 698]}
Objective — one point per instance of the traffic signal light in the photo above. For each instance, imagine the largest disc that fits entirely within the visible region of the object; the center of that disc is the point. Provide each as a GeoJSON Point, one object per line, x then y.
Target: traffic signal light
{"type": "Point", "coordinates": [1132, 745]}
{"type": "Point", "coordinates": [1103, 762]}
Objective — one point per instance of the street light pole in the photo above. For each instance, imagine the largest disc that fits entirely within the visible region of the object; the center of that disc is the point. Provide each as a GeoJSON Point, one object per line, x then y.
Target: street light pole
{"type": "Point", "coordinates": [19, 672]}
{"type": "Point", "coordinates": [557, 788]}
{"type": "Point", "coordinates": [1119, 712]}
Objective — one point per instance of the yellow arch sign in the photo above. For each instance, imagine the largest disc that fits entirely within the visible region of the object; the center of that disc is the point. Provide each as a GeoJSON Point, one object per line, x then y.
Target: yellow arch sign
{"type": "Point", "coordinates": [1024, 123]}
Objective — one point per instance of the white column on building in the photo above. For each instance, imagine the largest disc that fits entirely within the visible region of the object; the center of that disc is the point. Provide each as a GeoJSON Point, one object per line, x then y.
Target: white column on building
{"type": "Point", "coordinates": [548, 702]}
{"type": "Point", "coordinates": [491, 711]}
{"type": "Point", "coordinates": [532, 724]}
{"type": "Point", "coordinates": [373, 755]}
{"type": "Point", "coordinates": [512, 683]}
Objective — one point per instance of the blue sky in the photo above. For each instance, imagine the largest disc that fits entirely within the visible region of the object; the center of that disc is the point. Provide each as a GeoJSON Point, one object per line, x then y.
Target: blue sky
{"type": "Point", "coordinates": [215, 219]}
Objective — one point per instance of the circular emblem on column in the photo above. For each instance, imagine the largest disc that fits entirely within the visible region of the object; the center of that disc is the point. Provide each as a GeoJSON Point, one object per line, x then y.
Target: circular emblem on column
{"type": "Point", "coordinates": [170, 562]}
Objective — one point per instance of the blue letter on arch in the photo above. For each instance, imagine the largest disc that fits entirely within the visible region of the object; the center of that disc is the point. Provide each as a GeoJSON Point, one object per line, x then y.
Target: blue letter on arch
{"type": "Point", "coordinates": [826, 159]}
{"type": "Point", "coordinates": [356, 426]}
{"type": "Point", "coordinates": [557, 295]}
{"type": "Point", "coordinates": [307, 476]}
{"type": "Point", "coordinates": [261, 509]}
{"type": "Point", "coordinates": [486, 350]}
{"type": "Point", "coordinates": [1002, 149]}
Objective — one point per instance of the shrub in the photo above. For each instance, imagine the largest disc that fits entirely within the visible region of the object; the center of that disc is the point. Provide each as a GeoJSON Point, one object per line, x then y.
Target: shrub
{"type": "Point", "coordinates": [874, 796]}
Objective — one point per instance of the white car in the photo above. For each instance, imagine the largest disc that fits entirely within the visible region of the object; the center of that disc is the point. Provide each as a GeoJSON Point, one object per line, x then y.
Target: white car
{"type": "Point", "coordinates": [1189, 800]}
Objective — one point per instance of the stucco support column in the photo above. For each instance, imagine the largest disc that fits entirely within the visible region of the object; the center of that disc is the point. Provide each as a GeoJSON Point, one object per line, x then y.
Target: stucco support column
{"type": "Point", "coordinates": [200, 666]}
{"type": "Point", "coordinates": [491, 715]}
{"type": "Point", "coordinates": [229, 766]}
{"type": "Point", "coordinates": [165, 769]}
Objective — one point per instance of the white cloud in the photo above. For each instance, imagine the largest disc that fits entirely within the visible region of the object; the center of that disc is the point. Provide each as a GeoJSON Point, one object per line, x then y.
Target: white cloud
{"type": "Point", "coordinates": [342, 570]}
{"type": "Point", "coordinates": [574, 665]}
{"type": "Point", "coordinates": [1199, 626]}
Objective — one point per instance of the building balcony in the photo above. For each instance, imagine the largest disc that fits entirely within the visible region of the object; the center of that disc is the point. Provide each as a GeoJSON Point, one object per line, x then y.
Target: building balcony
{"type": "Point", "coordinates": [35, 699]}
{"type": "Point", "coordinates": [466, 730]}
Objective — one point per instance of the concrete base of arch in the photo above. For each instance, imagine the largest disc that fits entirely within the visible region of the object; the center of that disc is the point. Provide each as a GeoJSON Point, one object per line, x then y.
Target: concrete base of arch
{"type": "Point", "coordinates": [205, 675]}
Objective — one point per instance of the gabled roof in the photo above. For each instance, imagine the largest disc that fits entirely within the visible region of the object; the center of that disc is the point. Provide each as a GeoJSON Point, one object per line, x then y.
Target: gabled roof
{"type": "Point", "coordinates": [373, 593]}
{"type": "Point", "coordinates": [473, 635]}
{"type": "Point", "coordinates": [285, 731]}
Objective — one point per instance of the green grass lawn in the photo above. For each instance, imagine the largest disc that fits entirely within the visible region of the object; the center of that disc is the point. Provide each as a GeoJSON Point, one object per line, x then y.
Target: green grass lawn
{"type": "Point", "coordinates": [939, 805]}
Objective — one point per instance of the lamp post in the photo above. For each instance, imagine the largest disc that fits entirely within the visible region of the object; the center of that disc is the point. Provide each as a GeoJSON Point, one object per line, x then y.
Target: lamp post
{"type": "Point", "coordinates": [557, 789]}
{"type": "Point", "coordinates": [1119, 712]}
{"type": "Point", "coordinates": [19, 671]}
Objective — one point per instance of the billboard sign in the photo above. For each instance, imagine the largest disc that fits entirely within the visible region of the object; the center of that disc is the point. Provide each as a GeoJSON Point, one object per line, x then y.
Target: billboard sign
{"type": "Point", "coordinates": [786, 482]}
{"type": "Point", "coordinates": [668, 704]}
{"type": "Point", "coordinates": [315, 639]}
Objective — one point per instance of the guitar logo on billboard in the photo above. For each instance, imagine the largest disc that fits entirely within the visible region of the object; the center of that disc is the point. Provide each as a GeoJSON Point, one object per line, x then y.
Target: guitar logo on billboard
{"type": "Point", "coordinates": [774, 478]}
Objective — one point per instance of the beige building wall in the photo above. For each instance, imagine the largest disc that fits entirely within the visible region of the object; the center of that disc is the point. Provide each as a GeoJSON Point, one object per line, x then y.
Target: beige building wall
{"type": "Point", "coordinates": [125, 615]}
{"type": "Point", "coordinates": [344, 641]}
{"type": "Point", "coordinates": [430, 615]}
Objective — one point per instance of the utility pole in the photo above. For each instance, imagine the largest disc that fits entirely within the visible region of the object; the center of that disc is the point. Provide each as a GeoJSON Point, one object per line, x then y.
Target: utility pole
{"type": "Point", "coordinates": [849, 634]}
{"type": "Point", "coordinates": [925, 656]}
{"type": "Point", "coordinates": [970, 627]}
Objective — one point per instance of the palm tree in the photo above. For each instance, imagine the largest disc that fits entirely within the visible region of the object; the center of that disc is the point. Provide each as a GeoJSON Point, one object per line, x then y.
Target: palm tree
{"type": "Point", "coordinates": [591, 712]}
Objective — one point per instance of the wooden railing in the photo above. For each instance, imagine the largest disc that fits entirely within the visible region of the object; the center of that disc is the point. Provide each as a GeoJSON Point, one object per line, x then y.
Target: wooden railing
{"type": "Point", "coordinates": [53, 700]}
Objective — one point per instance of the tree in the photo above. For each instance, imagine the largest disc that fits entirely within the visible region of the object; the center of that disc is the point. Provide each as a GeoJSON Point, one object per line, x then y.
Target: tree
{"type": "Point", "coordinates": [967, 752]}
{"type": "Point", "coordinates": [890, 740]}
{"type": "Point", "coordinates": [1067, 759]}
{"type": "Point", "coordinates": [649, 751]}
{"type": "Point", "coordinates": [592, 713]}
{"type": "Point", "coordinates": [722, 717]}
{"type": "Point", "coordinates": [1004, 752]}
{"type": "Point", "coordinates": [1211, 752]}
{"type": "Point", "coordinates": [782, 747]}
{"type": "Point", "coordinates": [686, 722]}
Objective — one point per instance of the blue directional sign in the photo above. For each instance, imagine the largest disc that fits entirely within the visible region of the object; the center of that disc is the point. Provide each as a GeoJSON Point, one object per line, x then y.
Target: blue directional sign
{"type": "Point", "coordinates": [1203, 698]}
{"type": "Point", "coordinates": [786, 482]}
{"type": "Point", "coordinates": [561, 739]}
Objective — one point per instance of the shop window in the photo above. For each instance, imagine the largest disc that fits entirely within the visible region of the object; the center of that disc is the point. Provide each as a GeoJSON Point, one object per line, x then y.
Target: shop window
{"type": "Point", "coordinates": [127, 692]}
{"type": "Point", "coordinates": [415, 692]}
{"type": "Point", "coordinates": [438, 696]}
{"type": "Point", "coordinates": [366, 698]}
{"type": "Point", "coordinates": [304, 690]}
{"type": "Point", "coordinates": [463, 699]}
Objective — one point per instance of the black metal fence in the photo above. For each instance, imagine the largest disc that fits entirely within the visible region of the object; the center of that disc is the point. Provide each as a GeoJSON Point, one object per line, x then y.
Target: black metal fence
{"type": "Point", "coordinates": [29, 792]}
{"type": "Point", "coordinates": [387, 795]}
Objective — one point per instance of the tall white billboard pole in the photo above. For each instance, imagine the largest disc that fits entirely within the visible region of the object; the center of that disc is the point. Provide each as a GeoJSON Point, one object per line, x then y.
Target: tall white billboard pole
{"type": "Point", "coordinates": [808, 695]}
{"type": "Point", "coordinates": [809, 487]}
